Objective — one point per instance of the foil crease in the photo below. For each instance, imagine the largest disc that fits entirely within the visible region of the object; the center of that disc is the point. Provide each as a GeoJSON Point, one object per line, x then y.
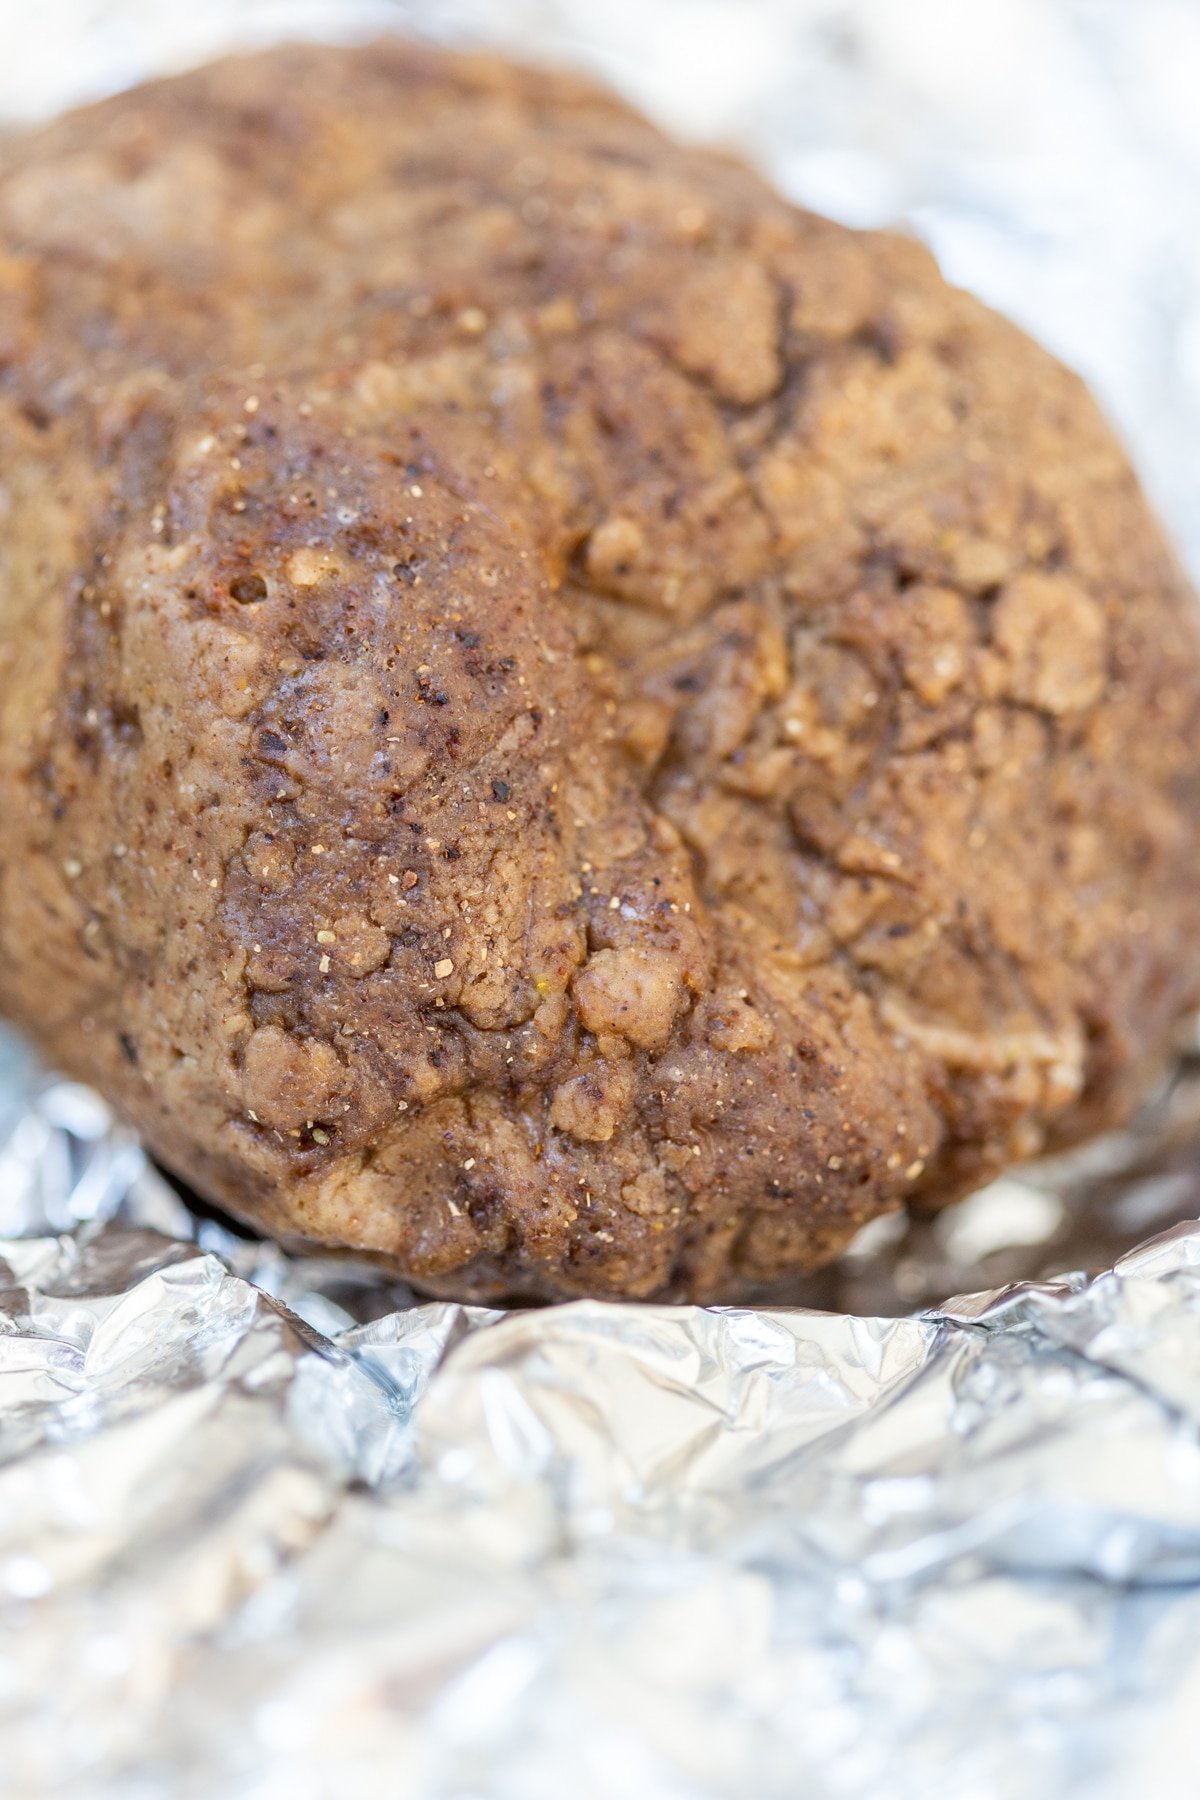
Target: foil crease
{"type": "Point", "coordinates": [265, 1532]}
{"type": "Point", "coordinates": [269, 1526]}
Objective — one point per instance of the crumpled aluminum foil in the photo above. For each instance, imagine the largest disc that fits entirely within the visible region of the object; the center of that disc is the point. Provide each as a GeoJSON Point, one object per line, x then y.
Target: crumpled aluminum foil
{"type": "Point", "coordinates": [263, 1533]}
{"type": "Point", "coordinates": [268, 1526]}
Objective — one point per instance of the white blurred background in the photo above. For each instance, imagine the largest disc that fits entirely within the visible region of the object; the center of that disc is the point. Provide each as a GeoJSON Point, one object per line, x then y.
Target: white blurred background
{"type": "Point", "coordinates": [1049, 150]}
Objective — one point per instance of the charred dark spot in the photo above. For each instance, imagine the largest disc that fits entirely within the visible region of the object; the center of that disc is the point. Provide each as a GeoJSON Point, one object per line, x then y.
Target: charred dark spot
{"type": "Point", "coordinates": [246, 589]}
{"type": "Point", "coordinates": [125, 724]}
{"type": "Point", "coordinates": [882, 338]}
{"type": "Point", "coordinates": [500, 790]}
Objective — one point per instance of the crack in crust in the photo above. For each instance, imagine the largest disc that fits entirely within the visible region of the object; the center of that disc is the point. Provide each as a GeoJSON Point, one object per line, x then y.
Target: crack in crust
{"type": "Point", "coordinates": [561, 721]}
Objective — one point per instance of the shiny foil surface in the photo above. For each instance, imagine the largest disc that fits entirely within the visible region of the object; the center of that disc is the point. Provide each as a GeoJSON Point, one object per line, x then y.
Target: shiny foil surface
{"type": "Point", "coordinates": [267, 1529]}
{"type": "Point", "coordinates": [271, 1527]}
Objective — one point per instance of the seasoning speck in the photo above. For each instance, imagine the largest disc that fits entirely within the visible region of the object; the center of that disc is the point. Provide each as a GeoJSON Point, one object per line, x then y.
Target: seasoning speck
{"type": "Point", "coordinates": [443, 968]}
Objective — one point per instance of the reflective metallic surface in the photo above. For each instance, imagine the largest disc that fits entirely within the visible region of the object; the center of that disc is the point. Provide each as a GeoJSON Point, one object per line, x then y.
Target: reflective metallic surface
{"type": "Point", "coordinates": [268, 1527]}
{"type": "Point", "coordinates": [261, 1532]}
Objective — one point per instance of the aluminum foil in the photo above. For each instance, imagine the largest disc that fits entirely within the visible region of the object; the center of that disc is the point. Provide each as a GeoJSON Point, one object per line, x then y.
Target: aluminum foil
{"type": "Point", "coordinates": [269, 1526]}
{"type": "Point", "coordinates": [265, 1532]}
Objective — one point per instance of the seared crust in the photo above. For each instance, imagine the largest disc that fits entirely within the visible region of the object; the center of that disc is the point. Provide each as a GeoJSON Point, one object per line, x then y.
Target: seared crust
{"type": "Point", "coordinates": [560, 720]}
